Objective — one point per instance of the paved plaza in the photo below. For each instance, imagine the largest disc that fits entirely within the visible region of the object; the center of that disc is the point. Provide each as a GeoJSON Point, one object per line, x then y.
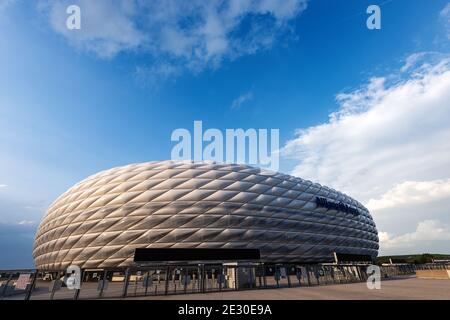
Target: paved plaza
{"type": "Point", "coordinates": [407, 288]}
{"type": "Point", "coordinates": [401, 289]}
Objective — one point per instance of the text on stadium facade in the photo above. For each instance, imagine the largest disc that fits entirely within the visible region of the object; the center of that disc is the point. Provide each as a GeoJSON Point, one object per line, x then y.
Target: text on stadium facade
{"type": "Point", "coordinates": [340, 206]}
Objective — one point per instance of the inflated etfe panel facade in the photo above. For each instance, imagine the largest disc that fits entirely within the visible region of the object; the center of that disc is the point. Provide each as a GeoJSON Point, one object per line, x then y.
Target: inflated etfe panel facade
{"type": "Point", "coordinates": [100, 221]}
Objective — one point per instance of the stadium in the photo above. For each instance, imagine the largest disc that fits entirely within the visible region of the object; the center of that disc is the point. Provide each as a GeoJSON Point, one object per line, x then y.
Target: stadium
{"type": "Point", "coordinates": [102, 221]}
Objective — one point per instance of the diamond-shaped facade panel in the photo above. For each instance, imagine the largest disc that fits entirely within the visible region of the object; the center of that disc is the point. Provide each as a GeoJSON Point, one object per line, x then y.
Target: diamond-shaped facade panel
{"type": "Point", "coordinates": [101, 220]}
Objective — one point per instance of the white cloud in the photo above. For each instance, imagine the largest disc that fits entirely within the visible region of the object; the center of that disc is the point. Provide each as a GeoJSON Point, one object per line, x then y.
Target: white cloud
{"type": "Point", "coordinates": [427, 232]}
{"type": "Point", "coordinates": [3, 186]}
{"type": "Point", "coordinates": [445, 16]}
{"type": "Point", "coordinates": [418, 59]}
{"type": "Point", "coordinates": [411, 193]}
{"type": "Point", "coordinates": [381, 135]}
{"type": "Point", "coordinates": [237, 103]}
{"type": "Point", "coordinates": [445, 12]}
{"type": "Point", "coordinates": [27, 223]}
{"type": "Point", "coordinates": [193, 34]}
{"type": "Point", "coordinates": [107, 27]}
{"type": "Point", "coordinates": [388, 145]}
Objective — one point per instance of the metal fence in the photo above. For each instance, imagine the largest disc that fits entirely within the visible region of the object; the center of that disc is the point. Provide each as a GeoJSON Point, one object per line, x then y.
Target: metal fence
{"type": "Point", "coordinates": [434, 266]}
{"type": "Point", "coordinates": [182, 279]}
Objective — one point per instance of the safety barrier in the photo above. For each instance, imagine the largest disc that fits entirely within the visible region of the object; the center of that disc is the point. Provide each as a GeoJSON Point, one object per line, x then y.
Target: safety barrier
{"type": "Point", "coordinates": [182, 279]}
{"type": "Point", "coordinates": [439, 271]}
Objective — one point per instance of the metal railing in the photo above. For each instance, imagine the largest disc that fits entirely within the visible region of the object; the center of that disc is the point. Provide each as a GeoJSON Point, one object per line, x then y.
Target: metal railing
{"type": "Point", "coordinates": [434, 266]}
{"type": "Point", "coordinates": [183, 279]}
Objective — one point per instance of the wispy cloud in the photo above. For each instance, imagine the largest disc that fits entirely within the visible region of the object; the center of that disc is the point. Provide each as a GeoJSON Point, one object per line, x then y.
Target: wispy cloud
{"type": "Point", "coordinates": [3, 186]}
{"type": "Point", "coordinates": [192, 35]}
{"type": "Point", "coordinates": [27, 222]}
{"type": "Point", "coordinates": [421, 59]}
{"type": "Point", "coordinates": [156, 74]}
{"type": "Point", "coordinates": [239, 101]}
{"type": "Point", "coordinates": [445, 16]}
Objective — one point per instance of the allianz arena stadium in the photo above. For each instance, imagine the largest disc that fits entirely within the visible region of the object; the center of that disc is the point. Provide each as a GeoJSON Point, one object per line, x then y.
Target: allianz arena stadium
{"type": "Point", "coordinates": [104, 219]}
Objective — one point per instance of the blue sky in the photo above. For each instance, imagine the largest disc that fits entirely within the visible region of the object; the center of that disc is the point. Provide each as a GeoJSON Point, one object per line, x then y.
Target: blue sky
{"type": "Point", "coordinates": [74, 104]}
